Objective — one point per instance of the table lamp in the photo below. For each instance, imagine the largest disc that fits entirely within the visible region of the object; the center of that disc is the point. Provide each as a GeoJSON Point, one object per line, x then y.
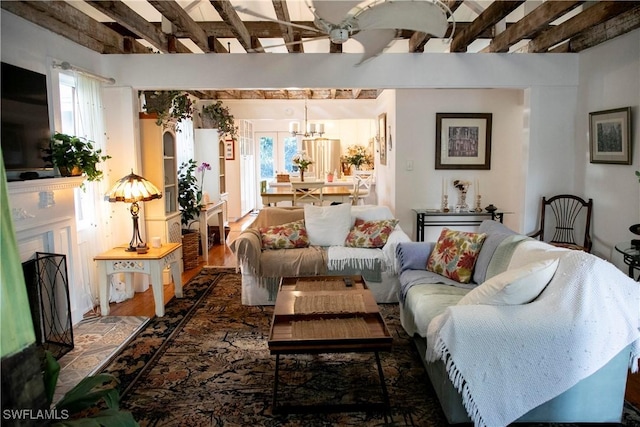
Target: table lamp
{"type": "Point", "coordinates": [133, 189]}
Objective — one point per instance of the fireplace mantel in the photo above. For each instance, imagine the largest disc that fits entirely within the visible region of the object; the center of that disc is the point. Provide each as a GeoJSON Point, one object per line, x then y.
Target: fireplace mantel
{"type": "Point", "coordinates": [45, 184]}
{"type": "Point", "coordinates": [43, 212]}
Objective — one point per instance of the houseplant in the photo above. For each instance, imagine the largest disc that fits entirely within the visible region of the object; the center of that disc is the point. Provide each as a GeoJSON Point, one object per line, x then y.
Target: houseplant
{"type": "Point", "coordinates": [190, 201]}
{"type": "Point", "coordinates": [94, 401]}
{"type": "Point", "coordinates": [74, 156]}
{"type": "Point", "coordinates": [168, 105]}
{"type": "Point", "coordinates": [217, 116]}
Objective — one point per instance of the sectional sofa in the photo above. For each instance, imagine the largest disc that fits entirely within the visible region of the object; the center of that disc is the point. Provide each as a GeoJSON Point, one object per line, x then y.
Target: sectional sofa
{"type": "Point", "coordinates": [535, 334]}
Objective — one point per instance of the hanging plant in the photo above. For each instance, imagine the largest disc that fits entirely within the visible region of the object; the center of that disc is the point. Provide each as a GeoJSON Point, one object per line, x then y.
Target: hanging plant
{"type": "Point", "coordinates": [217, 116]}
{"type": "Point", "coordinates": [168, 105]}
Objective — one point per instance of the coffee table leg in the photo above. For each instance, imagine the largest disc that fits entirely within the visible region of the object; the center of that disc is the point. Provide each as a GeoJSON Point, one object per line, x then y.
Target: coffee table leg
{"type": "Point", "coordinates": [385, 393]}
{"type": "Point", "coordinates": [275, 384]}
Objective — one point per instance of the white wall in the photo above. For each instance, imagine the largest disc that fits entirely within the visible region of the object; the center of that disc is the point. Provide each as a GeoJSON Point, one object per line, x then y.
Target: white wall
{"type": "Point", "coordinates": [609, 78]}
{"type": "Point", "coordinates": [415, 143]}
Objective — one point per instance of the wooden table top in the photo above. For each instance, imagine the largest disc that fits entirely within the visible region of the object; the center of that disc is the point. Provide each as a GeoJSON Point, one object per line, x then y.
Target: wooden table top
{"type": "Point", "coordinates": [119, 253]}
{"type": "Point", "coordinates": [374, 337]}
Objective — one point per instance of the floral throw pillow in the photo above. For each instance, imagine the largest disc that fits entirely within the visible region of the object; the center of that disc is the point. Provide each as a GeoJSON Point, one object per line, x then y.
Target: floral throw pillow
{"type": "Point", "coordinates": [370, 234]}
{"type": "Point", "coordinates": [455, 254]}
{"type": "Point", "coordinates": [285, 236]}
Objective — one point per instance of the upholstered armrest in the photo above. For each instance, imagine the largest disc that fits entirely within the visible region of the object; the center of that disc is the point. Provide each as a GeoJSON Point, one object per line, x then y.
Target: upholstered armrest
{"type": "Point", "coordinates": [413, 255]}
{"type": "Point", "coordinates": [396, 237]}
{"type": "Point", "coordinates": [247, 248]}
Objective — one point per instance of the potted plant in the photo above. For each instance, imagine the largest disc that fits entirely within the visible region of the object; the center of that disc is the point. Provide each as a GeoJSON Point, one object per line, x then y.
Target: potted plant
{"type": "Point", "coordinates": [74, 156]}
{"type": "Point", "coordinates": [168, 105]}
{"type": "Point", "coordinates": [190, 201]}
{"type": "Point", "coordinates": [217, 116]}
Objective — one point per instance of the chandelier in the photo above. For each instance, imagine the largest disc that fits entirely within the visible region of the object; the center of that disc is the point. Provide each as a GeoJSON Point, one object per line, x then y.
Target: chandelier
{"type": "Point", "coordinates": [310, 129]}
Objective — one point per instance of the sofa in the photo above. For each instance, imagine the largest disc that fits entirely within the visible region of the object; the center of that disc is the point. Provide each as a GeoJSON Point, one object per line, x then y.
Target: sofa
{"type": "Point", "coordinates": [319, 240]}
{"type": "Point", "coordinates": [523, 332]}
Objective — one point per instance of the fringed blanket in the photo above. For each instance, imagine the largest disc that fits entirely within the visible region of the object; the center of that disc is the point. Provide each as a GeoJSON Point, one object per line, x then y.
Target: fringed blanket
{"type": "Point", "coordinates": [507, 360]}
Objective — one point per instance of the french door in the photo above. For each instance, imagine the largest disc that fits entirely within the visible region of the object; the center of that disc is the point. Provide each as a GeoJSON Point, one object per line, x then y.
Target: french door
{"type": "Point", "coordinates": [276, 151]}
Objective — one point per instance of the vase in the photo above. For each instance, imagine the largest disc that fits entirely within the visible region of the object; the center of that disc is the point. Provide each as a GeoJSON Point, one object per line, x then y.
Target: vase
{"type": "Point", "coordinates": [302, 175]}
{"type": "Point", "coordinates": [462, 205]}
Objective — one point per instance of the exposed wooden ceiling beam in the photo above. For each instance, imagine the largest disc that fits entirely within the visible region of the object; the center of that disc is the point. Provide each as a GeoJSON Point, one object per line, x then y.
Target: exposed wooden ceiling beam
{"type": "Point", "coordinates": [129, 19]}
{"type": "Point", "coordinates": [494, 13]}
{"type": "Point", "coordinates": [598, 13]}
{"type": "Point", "coordinates": [67, 21]}
{"type": "Point", "coordinates": [530, 24]}
{"type": "Point", "coordinates": [282, 13]}
{"type": "Point", "coordinates": [617, 26]}
{"type": "Point", "coordinates": [181, 19]}
{"type": "Point", "coordinates": [230, 16]}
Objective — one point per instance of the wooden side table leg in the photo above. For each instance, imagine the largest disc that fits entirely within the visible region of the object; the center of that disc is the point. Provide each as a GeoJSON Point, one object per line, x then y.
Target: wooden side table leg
{"type": "Point", "coordinates": [156, 284]}
{"type": "Point", "coordinates": [177, 278]}
{"type": "Point", "coordinates": [103, 286]}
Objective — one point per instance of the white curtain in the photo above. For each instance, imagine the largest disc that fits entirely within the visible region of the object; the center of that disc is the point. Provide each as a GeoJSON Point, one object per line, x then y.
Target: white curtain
{"type": "Point", "coordinates": [92, 211]}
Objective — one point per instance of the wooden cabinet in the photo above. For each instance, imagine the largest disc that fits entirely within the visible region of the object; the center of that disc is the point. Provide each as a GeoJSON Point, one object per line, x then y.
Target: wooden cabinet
{"type": "Point", "coordinates": [159, 166]}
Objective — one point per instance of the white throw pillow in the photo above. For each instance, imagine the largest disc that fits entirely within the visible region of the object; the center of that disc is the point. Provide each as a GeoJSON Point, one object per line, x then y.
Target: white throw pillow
{"type": "Point", "coordinates": [327, 225]}
{"type": "Point", "coordinates": [512, 287]}
{"type": "Point", "coordinates": [370, 213]}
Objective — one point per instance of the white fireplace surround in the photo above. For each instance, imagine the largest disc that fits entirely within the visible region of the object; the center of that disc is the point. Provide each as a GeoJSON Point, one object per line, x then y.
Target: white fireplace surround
{"type": "Point", "coordinates": [43, 212]}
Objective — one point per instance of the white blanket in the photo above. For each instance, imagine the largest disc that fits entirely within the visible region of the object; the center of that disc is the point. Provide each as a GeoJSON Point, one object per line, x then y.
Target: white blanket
{"type": "Point", "coordinates": [507, 360]}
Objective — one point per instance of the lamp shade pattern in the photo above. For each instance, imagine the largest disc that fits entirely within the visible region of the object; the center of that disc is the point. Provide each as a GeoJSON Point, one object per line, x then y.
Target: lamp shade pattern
{"type": "Point", "coordinates": [133, 188]}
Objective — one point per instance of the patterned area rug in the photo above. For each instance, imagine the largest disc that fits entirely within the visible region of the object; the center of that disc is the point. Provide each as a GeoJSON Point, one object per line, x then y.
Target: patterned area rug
{"type": "Point", "coordinates": [206, 363]}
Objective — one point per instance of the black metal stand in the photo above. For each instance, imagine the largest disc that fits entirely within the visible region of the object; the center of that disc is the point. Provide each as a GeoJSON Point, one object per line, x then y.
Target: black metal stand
{"type": "Point", "coordinates": [48, 291]}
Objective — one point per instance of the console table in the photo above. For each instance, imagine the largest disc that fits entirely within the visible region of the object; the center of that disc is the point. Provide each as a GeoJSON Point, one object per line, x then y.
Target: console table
{"type": "Point", "coordinates": [118, 260]}
{"type": "Point", "coordinates": [207, 212]}
{"type": "Point", "coordinates": [432, 218]}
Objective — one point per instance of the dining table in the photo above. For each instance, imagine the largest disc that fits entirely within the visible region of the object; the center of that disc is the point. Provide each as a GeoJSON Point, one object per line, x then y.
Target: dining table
{"type": "Point", "coordinates": [273, 195]}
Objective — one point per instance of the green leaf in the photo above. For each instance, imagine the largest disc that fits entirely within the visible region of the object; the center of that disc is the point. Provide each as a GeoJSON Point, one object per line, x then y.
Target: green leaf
{"type": "Point", "coordinates": [51, 371]}
{"type": "Point", "coordinates": [89, 392]}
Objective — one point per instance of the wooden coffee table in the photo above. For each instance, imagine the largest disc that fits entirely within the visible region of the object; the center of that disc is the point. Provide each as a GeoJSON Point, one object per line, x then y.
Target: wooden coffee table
{"type": "Point", "coordinates": [327, 314]}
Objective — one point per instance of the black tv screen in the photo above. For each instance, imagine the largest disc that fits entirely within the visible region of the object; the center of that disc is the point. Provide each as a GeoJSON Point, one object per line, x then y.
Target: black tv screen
{"type": "Point", "coordinates": [25, 119]}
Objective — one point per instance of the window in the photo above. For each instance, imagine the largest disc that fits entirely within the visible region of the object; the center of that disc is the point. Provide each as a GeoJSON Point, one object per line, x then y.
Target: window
{"type": "Point", "coordinates": [70, 125]}
{"type": "Point", "coordinates": [276, 151]}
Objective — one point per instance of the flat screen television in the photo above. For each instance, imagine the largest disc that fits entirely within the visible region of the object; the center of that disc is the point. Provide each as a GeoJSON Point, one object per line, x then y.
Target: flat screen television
{"type": "Point", "coordinates": [25, 129]}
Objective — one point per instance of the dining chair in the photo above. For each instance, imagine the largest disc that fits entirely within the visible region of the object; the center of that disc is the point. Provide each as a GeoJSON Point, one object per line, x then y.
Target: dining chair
{"type": "Point", "coordinates": [362, 181]}
{"type": "Point", "coordinates": [569, 223]}
{"type": "Point", "coordinates": [307, 192]}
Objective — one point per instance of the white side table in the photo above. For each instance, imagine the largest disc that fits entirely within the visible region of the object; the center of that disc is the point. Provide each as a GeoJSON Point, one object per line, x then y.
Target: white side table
{"type": "Point", "coordinates": [207, 212]}
{"type": "Point", "coordinates": [117, 260]}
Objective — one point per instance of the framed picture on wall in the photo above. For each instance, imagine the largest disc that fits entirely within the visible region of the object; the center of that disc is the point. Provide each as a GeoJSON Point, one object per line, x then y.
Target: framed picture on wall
{"type": "Point", "coordinates": [382, 137]}
{"type": "Point", "coordinates": [609, 140]}
{"type": "Point", "coordinates": [463, 140]}
{"type": "Point", "coordinates": [229, 150]}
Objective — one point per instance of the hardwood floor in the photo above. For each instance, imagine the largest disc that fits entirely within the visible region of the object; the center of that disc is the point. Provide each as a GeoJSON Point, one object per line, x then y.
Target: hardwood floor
{"type": "Point", "coordinates": [220, 255]}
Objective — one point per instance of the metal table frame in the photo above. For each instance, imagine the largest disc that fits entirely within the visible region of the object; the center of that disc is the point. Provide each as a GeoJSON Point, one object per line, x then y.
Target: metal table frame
{"type": "Point", "coordinates": [450, 218]}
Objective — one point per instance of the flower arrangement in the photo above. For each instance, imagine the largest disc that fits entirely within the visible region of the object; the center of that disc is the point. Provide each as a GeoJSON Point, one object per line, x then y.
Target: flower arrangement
{"type": "Point", "coordinates": [302, 160]}
{"type": "Point", "coordinates": [358, 155]}
{"type": "Point", "coordinates": [189, 192]}
{"type": "Point", "coordinates": [462, 185]}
